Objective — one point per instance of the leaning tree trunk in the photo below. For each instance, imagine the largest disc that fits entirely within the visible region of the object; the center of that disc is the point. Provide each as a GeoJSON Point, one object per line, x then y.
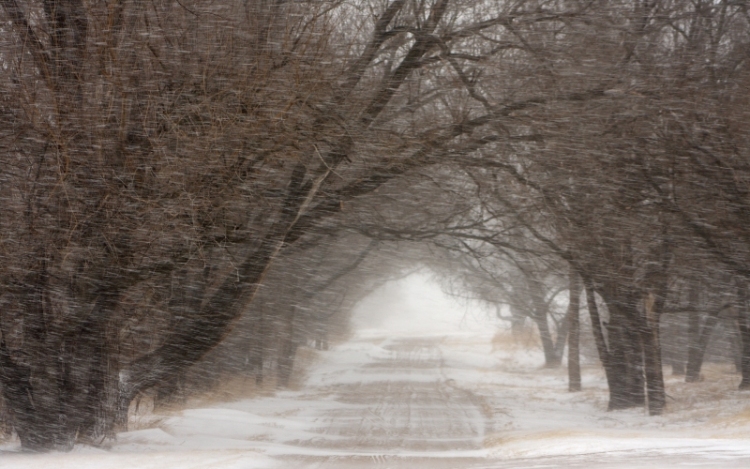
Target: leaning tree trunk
{"type": "Point", "coordinates": [205, 329]}
{"type": "Point", "coordinates": [601, 344]}
{"type": "Point", "coordinates": [201, 332]}
{"type": "Point", "coordinates": [548, 346]}
{"type": "Point", "coordinates": [539, 316]}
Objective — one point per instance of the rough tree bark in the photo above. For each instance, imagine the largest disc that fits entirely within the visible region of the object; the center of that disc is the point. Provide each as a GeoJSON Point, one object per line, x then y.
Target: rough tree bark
{"type": "Point", "coordinates": [573, 319]}
{"type": "Point", "coordinates": [743, 323]}
{"type": "Point", "coordinates": [624, 349]}
{"type": "Point", "coordinates": [693, 334]}
{"type": "Point", "coordinates": [655, 392]}
{"type": "Point", "coordinates": [653, 306]}
{"type": "Point", "coordinates": [64, 389]}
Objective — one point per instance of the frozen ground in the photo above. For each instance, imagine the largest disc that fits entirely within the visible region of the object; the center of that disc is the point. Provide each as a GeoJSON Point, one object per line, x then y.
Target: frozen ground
{"type": "Point", "coordinates": [450, 398]}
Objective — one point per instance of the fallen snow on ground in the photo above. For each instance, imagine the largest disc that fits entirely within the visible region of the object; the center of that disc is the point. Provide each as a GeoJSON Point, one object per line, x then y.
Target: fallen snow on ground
{"type": "Point", "coordinates": [454, 397]}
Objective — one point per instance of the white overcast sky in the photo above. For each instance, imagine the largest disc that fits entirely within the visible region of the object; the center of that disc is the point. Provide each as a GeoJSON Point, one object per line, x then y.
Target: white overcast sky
{"type": "Point", "coordinates": [416, 305]}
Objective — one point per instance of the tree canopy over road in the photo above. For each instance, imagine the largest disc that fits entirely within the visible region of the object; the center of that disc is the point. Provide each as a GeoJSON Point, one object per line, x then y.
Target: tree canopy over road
{"type": "Point", "coordinates": [181, 176]}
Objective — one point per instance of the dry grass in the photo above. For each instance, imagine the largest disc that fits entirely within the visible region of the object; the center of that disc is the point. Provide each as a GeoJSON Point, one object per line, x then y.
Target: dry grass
{"type": "Point", "coordinates": [719, 383]}
{"type": "Point", "coordinates": [502, 439]}
{"type": "Point", "coordinates": [142, 413]}
{"type": "Point", "coordinates": [739, 420]}
{"type": "Point", "coordinates": [715, 400]}
{"type": "Point", "coordinates": [506, 340]}
{"type": "Point", "coordinates": [234, 388]}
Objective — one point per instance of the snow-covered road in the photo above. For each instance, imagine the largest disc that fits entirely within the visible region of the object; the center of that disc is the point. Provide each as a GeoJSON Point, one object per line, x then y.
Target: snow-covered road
{"type": "Point", "coordinates": [413, 408]}
{"type": "Point", "coordinates": [446, 401]}
{"type": "Point", "coordinates": [453, 402]}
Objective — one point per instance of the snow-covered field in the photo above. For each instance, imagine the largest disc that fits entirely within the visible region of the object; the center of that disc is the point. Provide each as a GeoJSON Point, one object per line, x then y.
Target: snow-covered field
{"type": "Point", "coordinates": [450, 398]}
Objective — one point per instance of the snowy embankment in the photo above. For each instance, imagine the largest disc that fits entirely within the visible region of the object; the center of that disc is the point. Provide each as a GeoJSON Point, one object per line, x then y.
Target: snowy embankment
{"type": "Point", "coordinates": [536, 417]}
{"type": "Point", "coordinates": [447, 397]}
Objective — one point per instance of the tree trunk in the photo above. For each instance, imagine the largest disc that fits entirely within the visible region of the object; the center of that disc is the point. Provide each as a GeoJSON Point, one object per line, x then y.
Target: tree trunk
{"type": "Point", "coordinates": [634, 352]}
{"type": "Point", "coordinates": [601, 344]}
{"type": "Point", "coordinates": [67, 388]}
{"type": "Point", "coordinates": [205, 329]}
{"type": "Point", "coordinates": [692, 370]}
{"type": "Point", "coordinates": [626, 350]}
{"type": "Point", "coordinates": [652, 357]}
{"type": "Point", "coordinates": [539, 316]}
{"type": "Point", "coordinates": [550, 359]}
{"type": "Point", "coordinates": [573, 317]}
{"type": "Point", "coordinates": [619, 355]}
{"type": "Point", "coordinates": [626, 390]}
{"type": "Point", "coordinates": [743, 324]}
{"type": "Point", "coordinates": [258, 347]}
{"type": "Point", "coordinates": [693, 333]}
{"type": "Point", "coordinates": [697, 348]}
{"type": "Point", "coordinates": [674, 354]}
{"type": "Point", "coordinates": [285, 364]}
{"type": "Point", "coordinates": [656, 278]}
{"type": "Point", "coordinates": [561, 338]}
{"type": "Point", "coordinates": [736, 339]}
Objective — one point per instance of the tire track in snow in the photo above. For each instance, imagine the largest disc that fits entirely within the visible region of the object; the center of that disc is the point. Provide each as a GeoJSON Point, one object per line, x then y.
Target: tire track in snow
{"type": "Point", "coordinates": [404, 412]}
